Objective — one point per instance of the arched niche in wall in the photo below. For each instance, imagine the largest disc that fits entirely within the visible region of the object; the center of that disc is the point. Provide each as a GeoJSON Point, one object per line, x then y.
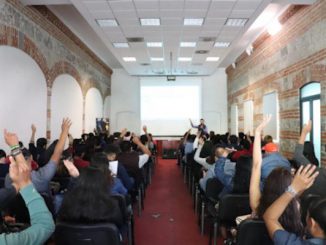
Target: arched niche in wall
{"type": "Point", "coordinates": [23, 95]}
{"type": "Point", "coordinates": [66, 101]}
{"type": "Point", "coordinates": [93, 109]}
{"type": "Point", "coordinates": [107, 104]}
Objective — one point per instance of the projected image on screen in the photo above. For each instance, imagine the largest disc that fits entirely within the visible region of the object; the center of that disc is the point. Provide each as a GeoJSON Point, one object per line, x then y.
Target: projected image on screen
{"type": "Point", "coordinates": [166, 109]}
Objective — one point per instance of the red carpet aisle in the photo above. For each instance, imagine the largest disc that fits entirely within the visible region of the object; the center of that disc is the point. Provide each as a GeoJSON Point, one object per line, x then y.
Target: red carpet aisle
{"type": "Point", "coordinates": [168, 217]}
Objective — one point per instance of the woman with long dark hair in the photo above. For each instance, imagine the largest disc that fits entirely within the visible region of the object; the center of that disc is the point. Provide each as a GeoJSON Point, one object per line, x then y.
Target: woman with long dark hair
{"type": "Point", "coordinates": [276, 184]}
{"type": "Point", "coordinates": [89, 201]}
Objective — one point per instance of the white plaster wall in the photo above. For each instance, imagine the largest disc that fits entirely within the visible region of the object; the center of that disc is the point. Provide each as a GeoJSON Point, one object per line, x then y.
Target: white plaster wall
{"type": "Point", "coordinates": [214, 101]}
{"type": "Point", "coordinates": [22, 95]}
{"type": "Point", "coordinates": [66, 101]}
{"type": "Point", "coordinates": [125, 101]}
{"type": "Point", "coordinates": [93, 109]}
{"type": "Point", "coordinates": [107, 105]}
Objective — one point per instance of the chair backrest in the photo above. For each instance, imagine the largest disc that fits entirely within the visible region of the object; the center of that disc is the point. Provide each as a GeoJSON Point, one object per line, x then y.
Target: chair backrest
{"type": "Point", "coordinates": [121, 201]}
{"type": "Point", "coordinates": [241, 180]}
{"type": "Point", "coordinates": [2, 182]}
{"type": "Point", "coordinates": [253, 232]}
{"type": "Point", "coordinates": [232, 206]}
{"type": "Point", "coordinates": [213, 188]}
{"type": "Point", "coordinates": [90, 234]}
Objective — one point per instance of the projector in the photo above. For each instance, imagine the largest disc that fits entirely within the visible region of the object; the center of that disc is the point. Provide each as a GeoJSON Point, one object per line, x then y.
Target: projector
{"type": "Point", "coordinates": [170, 78]}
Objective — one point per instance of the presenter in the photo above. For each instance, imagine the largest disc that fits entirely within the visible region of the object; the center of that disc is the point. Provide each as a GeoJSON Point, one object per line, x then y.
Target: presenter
{"type": "Point", "coordinates": [201, 127]}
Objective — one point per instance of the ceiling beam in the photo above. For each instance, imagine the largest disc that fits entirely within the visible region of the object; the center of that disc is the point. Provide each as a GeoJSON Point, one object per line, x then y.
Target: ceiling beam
{"type": "Point", "coordinates": [45, 2]}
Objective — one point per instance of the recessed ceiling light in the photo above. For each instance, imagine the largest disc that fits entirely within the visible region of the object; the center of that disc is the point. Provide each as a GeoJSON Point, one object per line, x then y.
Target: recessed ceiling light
{"type": "Point", "coordinates": [212, 58]}
{"type": "Point", "coordinates": [274, 27]}
{"type": "Point", "coordinates": [106, 22]}
{"type": "Point", "coordinates": [188, 44]}
{"type": "Point", "coordinates": [150, 22]}
{"type": "Point", "coordinates": [185, 59]}
{"type": "Point", "coordinates": [129, 59]}
{"type": "Point", "coordinates": [157, 59]}
{"type": "Point", "coordinates": [236, 22]}
{"type": "Point", "coordinates": [154, 44]}
{"type": "Point", "coordinates": [193, 22]}
{"type": "Point", "coordinates": [221, 44]}
{"type": "Point", "coordinates": [121, 45]}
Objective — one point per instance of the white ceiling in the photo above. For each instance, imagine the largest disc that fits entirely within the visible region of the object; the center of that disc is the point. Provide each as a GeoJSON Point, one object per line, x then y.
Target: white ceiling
{"type": "Point", "coordinates": [171, 31]}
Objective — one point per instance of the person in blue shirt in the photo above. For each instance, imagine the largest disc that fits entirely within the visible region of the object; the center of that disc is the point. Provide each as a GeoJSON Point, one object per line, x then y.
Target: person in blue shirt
{"type": "Point", "coordinates": [316, 218]}
{"type": "Point", "coordinates": [111, 152]}
{"type": "Point", "coordinates": [224, 170]}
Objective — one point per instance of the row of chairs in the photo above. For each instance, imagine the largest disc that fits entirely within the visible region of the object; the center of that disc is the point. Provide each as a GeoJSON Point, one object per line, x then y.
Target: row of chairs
{"type": "Point", "coordinates": [216, 213]}
{"type": "Point", "coordinates": [101, 233]}
{"type": "Point", "coordinates": [107, 233]}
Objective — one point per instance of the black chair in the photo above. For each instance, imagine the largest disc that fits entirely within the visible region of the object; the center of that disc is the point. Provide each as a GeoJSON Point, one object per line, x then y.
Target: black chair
{"type": "Point", "coordinates": [210, 196]}
{"type": "Point", "coordinates": [127, 217]}
{"type": "Point", "coordinates": [91, 234]}
{"type": "Point", "coordinates": [230, 207]}
{"type": "Point", "coordinates": [241, 180]}
{"type": "Point", "coordinates": [253, 232]}
{"type": "Point", "coordinates": [2, 182]}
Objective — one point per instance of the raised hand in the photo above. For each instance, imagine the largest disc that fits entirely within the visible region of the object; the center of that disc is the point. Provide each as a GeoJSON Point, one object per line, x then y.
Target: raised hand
{"type": "Point", "coordinates": [19, 172]}
{"type": "Point", "coordinates": [307, 127]}
{"type": "Point", "coordinates": [136, 140]}
{"type": "Point", "coordinates": [11, 138]}
{"type": "Point", "coordinates": [123, 132]}
{"type": "Point", "coordinates": [65, 126]}
{"type": "Point", "coordinates": [72, 170]}
{"type": "Point", "coordinates": [304, 178]}
{"type": "Point", "coordinates": [33, 127]}
{"type": "Point", "coordinates": [262, 125]}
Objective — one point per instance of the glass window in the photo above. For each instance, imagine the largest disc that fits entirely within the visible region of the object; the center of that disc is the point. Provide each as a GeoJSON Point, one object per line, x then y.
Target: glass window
{"type": "Point", "coordinates": [234, 119]}
{"type": "Point", "coordinates": [248, 116]}
{"type": "Point", "coordinates": [310, 90]}
{"type": "Point", "coordinates": [270, 106]}
{"type": "Point", "coordinates": [310, 110]}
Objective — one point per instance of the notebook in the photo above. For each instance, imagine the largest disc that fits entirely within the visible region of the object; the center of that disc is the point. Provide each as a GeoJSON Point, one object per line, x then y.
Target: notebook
{"type": "Point", "coordinates": [113, 166]}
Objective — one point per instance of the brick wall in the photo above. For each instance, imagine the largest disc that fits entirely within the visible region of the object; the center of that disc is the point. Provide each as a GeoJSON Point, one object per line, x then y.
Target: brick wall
{"type": "Point", "coordinates": [284, 63]}
{"type": "Point", "coordinates": [40, 34]}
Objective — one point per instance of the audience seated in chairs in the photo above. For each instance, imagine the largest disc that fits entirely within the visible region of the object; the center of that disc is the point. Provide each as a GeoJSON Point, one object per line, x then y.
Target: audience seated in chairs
{"type": "Point", "coordinates": [41, 178]}
{"type": "Point", "coordinates": [263, 192]}
{"type": "Point", "coordinates": [131, 160]}
{"type": "Point", "coordinates": [42, 225]}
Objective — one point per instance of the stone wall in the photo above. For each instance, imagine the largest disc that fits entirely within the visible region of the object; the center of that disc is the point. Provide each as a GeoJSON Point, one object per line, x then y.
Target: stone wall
{"type": "Point", "coordinates": [40, 34]}
{"type": "Point", "coordinates": [284, 63]}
